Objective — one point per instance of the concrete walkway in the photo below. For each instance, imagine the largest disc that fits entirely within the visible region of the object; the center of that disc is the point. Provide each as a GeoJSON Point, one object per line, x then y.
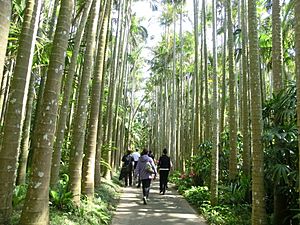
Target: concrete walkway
{"type": "Point", "coordinates": [168, 209]}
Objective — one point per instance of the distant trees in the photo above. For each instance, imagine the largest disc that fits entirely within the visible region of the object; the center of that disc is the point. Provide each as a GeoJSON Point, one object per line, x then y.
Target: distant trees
{"type": "Point", "coordinates": [71, 105]}
{"type": "Point", "coordinates": [248, 79]}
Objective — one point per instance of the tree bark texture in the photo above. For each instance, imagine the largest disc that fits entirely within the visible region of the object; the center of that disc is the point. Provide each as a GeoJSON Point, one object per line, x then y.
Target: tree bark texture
{"type": "Point", "coordinates": [14, 115]}
{"type": "Point", "coordinates": [258, 193]}
{"type": "Point", "coordinates": [36, 209]}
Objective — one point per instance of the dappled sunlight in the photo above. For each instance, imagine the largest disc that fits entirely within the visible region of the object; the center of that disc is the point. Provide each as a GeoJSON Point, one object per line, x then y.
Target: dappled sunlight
{"type": "Point", "coordinates": [183, 215]}
{"type": "Point", "coordinates": [171, 208]}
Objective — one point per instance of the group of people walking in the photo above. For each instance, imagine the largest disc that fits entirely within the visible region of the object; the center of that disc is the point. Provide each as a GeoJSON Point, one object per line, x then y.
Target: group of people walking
{"type": "Point", "coordinates": [143, 169]}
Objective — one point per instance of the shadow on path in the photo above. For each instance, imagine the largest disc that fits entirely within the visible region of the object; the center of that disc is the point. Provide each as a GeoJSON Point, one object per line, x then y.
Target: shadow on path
{"type": "Point", "coordinates": [168, 209]}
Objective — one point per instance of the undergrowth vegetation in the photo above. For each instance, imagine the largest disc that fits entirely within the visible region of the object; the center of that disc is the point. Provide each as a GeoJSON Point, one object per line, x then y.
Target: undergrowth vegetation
{"type": "Point", "coordinates": [226, 212]}
{"type": "Point", "coordinates": [62, 210]}
{"type": "Point", "coordinates": [280, 140]}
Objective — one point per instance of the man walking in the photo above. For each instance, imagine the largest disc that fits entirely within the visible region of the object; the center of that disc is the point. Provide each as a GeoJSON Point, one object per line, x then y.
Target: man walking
{"type": "Point", "coordinates": [164, 165]}
{"type": "Point", "coordinates": [127, 160]}
{"type": "Point", "coordinates": [136, 155]}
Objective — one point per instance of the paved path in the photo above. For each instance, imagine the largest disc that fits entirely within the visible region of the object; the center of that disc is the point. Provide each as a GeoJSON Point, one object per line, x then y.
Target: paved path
{"type": "Point", "coordinates": [168, 209]}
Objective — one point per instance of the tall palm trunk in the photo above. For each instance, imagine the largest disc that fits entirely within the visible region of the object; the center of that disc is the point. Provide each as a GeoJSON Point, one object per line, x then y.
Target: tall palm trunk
{"type": "Point", "coordinates": [88, 173]}
{"type": "Point", "coordinates": [276, 46]}
{"type": "Point", "coordinates": [14, 116]}
{"type": "Point", "coordinates": [52, 22]}
{"type": "Point", "coordinates": [215, 115]}
{"type": "Point", "coordinates": [232, 97]}
{"type": "Point", "coordinates": [196, 74]}
{"type": "Point", "coordinates": [43, 73]}
{"type": "Point", "coordinates": [179, 94]}
{"type": "Point", "coordinates": [64, 108]}
{"type": "Point", "coordinates": [112, 87]}
{"type": "Point", "coordinates": [100, 121]}
{"type": "Point", "coordinates": [202, 129]}
{"type": "Point", "coordinates": [36, 209]}
{"type": "Point", "coordinates": [5, 89]}
{"type": "Point", "coordinates": [224, 89]}
{"type": "Point", "coordinates": [172, 147]}
{"type": "Point", "coordinates": [79, 129]}
{"type": "Point", "coordinates": [245, 129]}
{"type": "Point", "coordinates": [297, 42]}
{"type": "Point", "coordinates": [24, 147]}
{"type": "Point", "coordinates": [205, 72]}
{"type": "Point", "coordinates": [258, 194]}
{"type": "Point", "coordinates": [5, 13]}
{"type": "Point", "coordinates": [122, 71]}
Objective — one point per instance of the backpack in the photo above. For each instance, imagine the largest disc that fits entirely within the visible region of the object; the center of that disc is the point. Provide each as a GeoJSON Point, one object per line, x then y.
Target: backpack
{"type": "Point", "coordinates": [127, 159]}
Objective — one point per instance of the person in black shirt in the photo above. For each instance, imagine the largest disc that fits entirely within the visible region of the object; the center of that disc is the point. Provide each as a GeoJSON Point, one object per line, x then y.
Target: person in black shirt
{"type": "Point", "coordinates": [164, 165]}
{"type": "Point", "coordinates": [127, 160]}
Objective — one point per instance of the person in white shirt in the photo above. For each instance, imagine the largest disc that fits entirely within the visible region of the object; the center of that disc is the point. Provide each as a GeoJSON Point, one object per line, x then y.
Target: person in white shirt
{"type": "Point", "coordinates": [136, 155]}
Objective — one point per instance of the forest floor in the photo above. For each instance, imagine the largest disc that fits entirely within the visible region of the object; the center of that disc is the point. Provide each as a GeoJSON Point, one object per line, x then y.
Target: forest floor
{"type": "Point", "coordinates": [168, 209]}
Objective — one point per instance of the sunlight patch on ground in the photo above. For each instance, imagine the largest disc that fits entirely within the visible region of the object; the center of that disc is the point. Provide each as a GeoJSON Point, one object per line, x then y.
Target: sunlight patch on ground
{"type": "Point", "coordinates": [183, 215]}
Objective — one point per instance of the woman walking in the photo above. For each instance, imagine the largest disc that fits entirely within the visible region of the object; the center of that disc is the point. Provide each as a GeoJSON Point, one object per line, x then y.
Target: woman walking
{"type": "Point", "coordinates": [146, 170]}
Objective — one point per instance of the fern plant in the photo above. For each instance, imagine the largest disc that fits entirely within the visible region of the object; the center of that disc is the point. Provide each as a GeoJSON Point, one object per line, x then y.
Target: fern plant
{"type": "Point", "coordinates": [19, 194]}
{"type": "Point", "coordinates": [60, 197]}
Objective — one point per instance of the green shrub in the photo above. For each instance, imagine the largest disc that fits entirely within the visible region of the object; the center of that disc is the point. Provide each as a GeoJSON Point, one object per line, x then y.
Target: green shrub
{"type": "Point", "coordinates": [60, 197]}
{"type": "Point", "coordinates": [93, 212]}
{"type": "Point", "coordinates": [98, 211]}
{"type": "Point", "coordinates": [236, 192]}
{"type": "Point", "coordinates": [197, 195]}
{"type": "Point", "coordinates": [226, 214]}
{"type": "Point", "coordinates": [181, 181]}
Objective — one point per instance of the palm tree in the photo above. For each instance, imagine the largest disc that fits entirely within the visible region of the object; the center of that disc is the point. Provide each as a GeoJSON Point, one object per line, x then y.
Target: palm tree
{"type": "Point", "coordinates": [79, 128]}
{"type": "Point", "coordinates": [215, 115]}
{"type": "Point", "coordinates": [196, 75]}
{"type": "Point", "coordinates": [113, 81]}
{"type": "Point", "coordinates": [258, 194]}
{"type": "Point", "coordinates": [276, 46]}
{"type": "Point", "coordinates": [64, 108]}
{"type": "Point", "coordinates": [223, 96]}
{"type": "Point", "coordinates": [297, 42]}
{"type": "Point", "coordinates": [232, 97]}
{"type": "Point", "coordinates": [14, 115]}
{"type": "Point", "coordinates": [36, 209]}
{"type": "Point", "coordinates": [205, 72]}
{"type": "Point", "coordinates": [245, 108]}
{"type": "Point", "coordinates": [179, 92]}
{"type": "Point", "coordinates": [90, 151]}
{"type": "Point", "coordinates": [100, 122]}
{"type": "Point", "coordinates": [173, 89]}
{"type": "Point", "coordinates": [122, 72]}
{"type": "Point", "coordinates": [5, 13]}
{"type": "Point", "coordinates": [25, 142]}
